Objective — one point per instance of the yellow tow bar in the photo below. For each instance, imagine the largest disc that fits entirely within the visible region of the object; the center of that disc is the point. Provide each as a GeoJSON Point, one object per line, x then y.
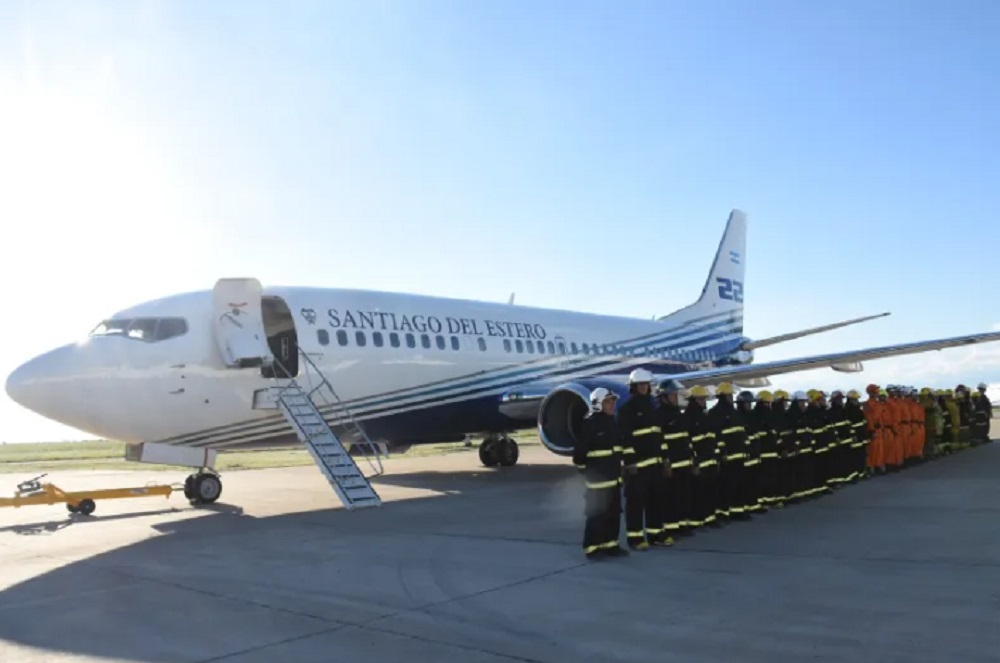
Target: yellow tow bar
{"type": "Point", "coordinates": [32, 492]}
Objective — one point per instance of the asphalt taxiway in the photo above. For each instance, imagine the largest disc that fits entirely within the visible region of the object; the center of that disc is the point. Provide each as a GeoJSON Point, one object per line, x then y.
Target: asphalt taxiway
{"type": "Point", "coordinates": [473, 565]}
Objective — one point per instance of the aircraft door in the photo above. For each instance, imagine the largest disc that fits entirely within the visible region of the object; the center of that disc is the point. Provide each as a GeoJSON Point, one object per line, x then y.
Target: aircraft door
{"type": "Point", "coordinates": [239, 323]}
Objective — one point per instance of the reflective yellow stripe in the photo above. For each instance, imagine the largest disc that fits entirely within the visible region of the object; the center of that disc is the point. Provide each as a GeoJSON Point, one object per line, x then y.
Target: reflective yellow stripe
{"type": "Point", "coordinates": [647, 462]}
{"type": "Point", "coordinates": [752, 461]}
{"type": "Point", "coordinates": [599, 485]}
{"type": "Point", "coordinates": [618, 449]}
{"type": "Point", "coordinates": [708, 463]}
{"type": "Point", "coordinates": [735, 456]}
{"type": "Point", "coordinates": [807, 450]}
{"type": "Point", "coordinates": [769, 454]}
{"type": "Point", "coordinates": [674, 436]}
{"type": "Point", "coordinates": [698, 438]}
{"type": "Point", "coordinates": [801, 430]}
{"type": "Point", "coordinates": [645, 431]}
{"type": "Point", "coordinates": [822, 450]}
{"type": "Point", "coordinates": [682, 463]}
{"type": "Point", "coordinates": [734, 429]}
{"type": "Point", "coordinates": [628, 450]}
{"type": "Point", "coordinates": [600, 453]}
{"type": "Point", "coordinates": [581, 467]}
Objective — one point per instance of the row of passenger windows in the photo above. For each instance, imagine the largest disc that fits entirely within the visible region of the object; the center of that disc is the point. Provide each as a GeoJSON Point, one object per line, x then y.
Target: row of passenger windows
{"type": "Point", "coordinates": [428, 341]}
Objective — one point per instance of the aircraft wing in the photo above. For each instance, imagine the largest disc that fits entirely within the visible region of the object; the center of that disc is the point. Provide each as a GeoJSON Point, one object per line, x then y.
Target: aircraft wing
{"type": "Point", "coordinates": [833, 360]}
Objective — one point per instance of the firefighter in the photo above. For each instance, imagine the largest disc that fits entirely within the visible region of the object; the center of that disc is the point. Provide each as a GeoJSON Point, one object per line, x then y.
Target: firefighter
{"type": "Point", "coordinates": [860, 436]}
{"type": "Point", "coordinates": [984, 412]}
{"type": "Point", "coordinates": [798, 421]}
{"type": "Point", "coordinates": [893, 423]}
{"type": "Point", "coordinates": [706, 458]}
{"type": "Point", "coordinates": [751, 497]}
{"type": "Point", "coordinates": [788, 450]}
{"type": "Point", "coordinates": [644, 486]}
{"type": "Point", "coordinates": [842, 427]}
{"type": "Point", "coordinates": [598, 456]}
{"type": "Point", "coordinates": [919, 419]}
{"type": "Point", "coordinates": [767, 439]}
{"type": "Point", "coordinates": [731, 438]}
{"type": "Point", "coordinates": [679, 461]}
{"type": "Point", "coordinates": [962, 402]}
{"type": "Point", "coordinates": [952, 423]}
{"type": "Point", "coordinates": [874, 416]}
{"type": "Point", "coordinates": [824, 442]}
{"type": "Point", "coordinates": [932, 422]}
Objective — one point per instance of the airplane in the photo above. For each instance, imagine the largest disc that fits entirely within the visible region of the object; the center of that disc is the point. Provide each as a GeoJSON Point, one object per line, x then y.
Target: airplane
{"type": "Point", "coordinates": [190, 372]}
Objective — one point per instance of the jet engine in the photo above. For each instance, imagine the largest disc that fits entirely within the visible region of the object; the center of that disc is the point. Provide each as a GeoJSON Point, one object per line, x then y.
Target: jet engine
{"type": "Point", "coordinates": [562, 411]}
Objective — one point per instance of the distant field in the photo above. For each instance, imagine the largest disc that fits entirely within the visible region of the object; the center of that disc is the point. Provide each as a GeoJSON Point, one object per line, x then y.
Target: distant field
{"type": "Point", "coordinates": [104, 455]}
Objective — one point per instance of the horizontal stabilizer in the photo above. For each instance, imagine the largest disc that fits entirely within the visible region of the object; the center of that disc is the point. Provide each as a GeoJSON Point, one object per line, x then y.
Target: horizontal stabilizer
{"type": "Point", "coordinates": [774, 340]}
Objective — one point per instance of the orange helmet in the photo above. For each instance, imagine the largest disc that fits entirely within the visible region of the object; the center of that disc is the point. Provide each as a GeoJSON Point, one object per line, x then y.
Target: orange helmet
{"type": "Point", "coordinates": [872, 389]}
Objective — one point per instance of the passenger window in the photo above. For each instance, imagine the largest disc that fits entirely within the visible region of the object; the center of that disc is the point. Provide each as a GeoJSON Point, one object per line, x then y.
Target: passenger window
{"type": "Point", "coordinates": [394, 339]}
{"type": "Point", "coordinates": [454, 343]}
{"type": "Point", "coordinates": [572, 347]}
{"type": "Point", "coordinates": [562, 348]}
{"type": "Point", "coordinates": [530, 347]}
{"type": "Point", "coordinates": [341, 337]}
{"type": "Point", "coordinates": [482, 343]}
{"type": "Point", "coordinates": [552, 347]}
{"type": "Point", "coordinates": [506, 344]}
{"type": "Point", "coordinates": [359, 338]}
{"type": "Point", "coordinates": [440, 341]}
{"type": "Point", "coordinates": [377, 339]}
{"type": "Point", "coordinates": [519, 345]}
{"type": "Point", "coordinates": [411, 341]}
{"type": "Point", "coordinates": [323, 336]}
{"type": "Point", "coordinates": [425, 341]}
{"type": "Point", "coordinates": [586, 349]}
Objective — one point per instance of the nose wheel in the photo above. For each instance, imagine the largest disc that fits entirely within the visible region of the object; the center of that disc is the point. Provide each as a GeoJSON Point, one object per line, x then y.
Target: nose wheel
{"type": "Point", "coordinates": [205, 487]}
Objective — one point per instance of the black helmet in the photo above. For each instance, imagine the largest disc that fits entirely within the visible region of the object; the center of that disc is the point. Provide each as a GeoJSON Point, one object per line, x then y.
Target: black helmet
{"type": "Point", "coordinates": [669, 387]}
{"type": "Point", "coordinates": [745, 397]}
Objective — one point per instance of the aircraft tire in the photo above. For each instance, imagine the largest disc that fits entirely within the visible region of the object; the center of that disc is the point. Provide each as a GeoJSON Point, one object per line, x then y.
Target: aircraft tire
{"type": "Point", "coordinates": [507, 452]}
{"type": "Point", "coordinates": [189, 486]}
{"type": "Point", "coordinates": [488, 452]}
{"type": "Point", "coordinates": [207, 488]}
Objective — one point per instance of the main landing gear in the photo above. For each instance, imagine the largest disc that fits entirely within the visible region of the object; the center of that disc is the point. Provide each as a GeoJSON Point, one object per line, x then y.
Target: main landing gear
{"type": "Point", "coordinates": [205, 487]}
{"type": "Point", "coordinates": [498, 450]}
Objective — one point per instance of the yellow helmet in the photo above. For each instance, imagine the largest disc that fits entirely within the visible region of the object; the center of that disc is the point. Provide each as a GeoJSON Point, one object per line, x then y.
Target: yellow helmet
{"type": "Point", "coordinates": [781, 394]}
{"type": "Point", "coordinates": [853, 393]}
{"type": "Point", "coordinates": [724, 388]}
{"type": "Point", "coordinates": [764, 396]}
{"type": "Point", "coordinates": [816, 394]}
{"type": "Point", "coordinates": [697, 391]}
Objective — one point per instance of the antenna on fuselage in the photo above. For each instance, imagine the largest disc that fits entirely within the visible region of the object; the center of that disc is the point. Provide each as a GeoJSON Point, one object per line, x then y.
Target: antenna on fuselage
{"type": "Point", "coordinates": [511, 300]}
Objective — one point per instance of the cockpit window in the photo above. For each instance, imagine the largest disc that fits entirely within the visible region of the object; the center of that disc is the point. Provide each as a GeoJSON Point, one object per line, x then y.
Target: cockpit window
{"type": "Point", "coordinates": [149, 330]}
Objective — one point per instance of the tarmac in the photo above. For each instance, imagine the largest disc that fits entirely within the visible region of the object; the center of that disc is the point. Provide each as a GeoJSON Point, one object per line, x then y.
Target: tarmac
{"type": "Point", "coordinates": [476, 565]}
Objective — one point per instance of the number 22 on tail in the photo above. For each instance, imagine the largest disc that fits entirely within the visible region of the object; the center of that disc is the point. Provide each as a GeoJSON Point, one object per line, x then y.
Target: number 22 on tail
{"type": "Point", "coordinates": [730, 289]}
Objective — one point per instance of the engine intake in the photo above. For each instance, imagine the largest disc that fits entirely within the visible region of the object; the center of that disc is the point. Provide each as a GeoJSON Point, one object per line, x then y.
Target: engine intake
{"type": "Point", "coordinates": [562, 411]}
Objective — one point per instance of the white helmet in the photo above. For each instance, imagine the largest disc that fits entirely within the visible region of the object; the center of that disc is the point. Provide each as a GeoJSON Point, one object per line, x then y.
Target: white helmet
{"type": "Point", "coordinates": [800, 396]}
{"type": "Point", "coordinates": [983, 386]}
{"type": "Point", "coordinates": [640, 375]}
{"type": "Point", "coordinates": [598, 396]}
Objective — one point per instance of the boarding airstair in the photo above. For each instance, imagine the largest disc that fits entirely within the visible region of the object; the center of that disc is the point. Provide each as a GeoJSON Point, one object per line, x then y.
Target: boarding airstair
{"type": "Point", "coordinates": [303, 401]}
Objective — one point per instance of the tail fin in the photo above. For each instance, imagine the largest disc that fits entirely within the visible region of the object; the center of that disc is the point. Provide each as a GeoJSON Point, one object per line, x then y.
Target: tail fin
{"type": "Point", "coordinates": [723, 291]}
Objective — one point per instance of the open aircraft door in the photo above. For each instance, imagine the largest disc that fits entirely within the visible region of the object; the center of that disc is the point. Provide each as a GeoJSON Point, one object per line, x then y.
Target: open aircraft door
{"type": "Point", "coordinates": [239, 323]}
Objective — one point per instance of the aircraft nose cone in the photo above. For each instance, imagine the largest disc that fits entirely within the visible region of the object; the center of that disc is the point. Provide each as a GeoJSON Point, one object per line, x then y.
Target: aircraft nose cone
{"type": "Point", "coordinates": [22, 384]}
{"type": "Point", "coordinates": [36, 383]}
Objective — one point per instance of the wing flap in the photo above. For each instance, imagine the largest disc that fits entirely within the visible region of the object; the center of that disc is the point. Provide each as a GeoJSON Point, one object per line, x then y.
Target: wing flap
{"type": "Point", "coordinates": [838, 359]}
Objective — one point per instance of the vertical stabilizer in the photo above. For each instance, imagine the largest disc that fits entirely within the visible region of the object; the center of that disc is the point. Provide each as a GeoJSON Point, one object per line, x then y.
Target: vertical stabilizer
{"type": "Point", "coordinates": [724, 289]}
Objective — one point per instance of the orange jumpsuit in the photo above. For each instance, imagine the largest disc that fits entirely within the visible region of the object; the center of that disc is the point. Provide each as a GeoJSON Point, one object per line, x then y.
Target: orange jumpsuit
{"type": "Point", "coordinates": [917, 417]}
{"type": "Point", "coordinates": [896, 438]}
{"type": "Point", "coordinates": [875, 418]}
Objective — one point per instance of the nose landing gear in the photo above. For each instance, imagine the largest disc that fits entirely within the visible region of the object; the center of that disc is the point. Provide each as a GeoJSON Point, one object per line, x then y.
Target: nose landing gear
{"type": "Point", "coordinates": [204, 487]}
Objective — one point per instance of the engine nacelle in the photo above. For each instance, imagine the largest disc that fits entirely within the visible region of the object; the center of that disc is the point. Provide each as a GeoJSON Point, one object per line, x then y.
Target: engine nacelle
{"type": "Point", "coordinates": [562, 411]}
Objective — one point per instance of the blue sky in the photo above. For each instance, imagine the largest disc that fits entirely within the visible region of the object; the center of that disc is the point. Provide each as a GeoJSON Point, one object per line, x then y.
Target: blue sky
{"type": "Point", "coordinates": [561, 150]}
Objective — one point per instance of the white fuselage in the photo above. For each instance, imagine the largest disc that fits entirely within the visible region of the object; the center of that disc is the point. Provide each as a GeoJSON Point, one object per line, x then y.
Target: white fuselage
{"type": "Point", "coordinates": [394, 359]}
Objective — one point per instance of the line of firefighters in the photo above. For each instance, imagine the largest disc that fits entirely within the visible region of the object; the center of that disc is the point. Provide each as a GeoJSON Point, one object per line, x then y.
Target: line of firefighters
{"type": "Point", "coordinates": [684, 469]}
